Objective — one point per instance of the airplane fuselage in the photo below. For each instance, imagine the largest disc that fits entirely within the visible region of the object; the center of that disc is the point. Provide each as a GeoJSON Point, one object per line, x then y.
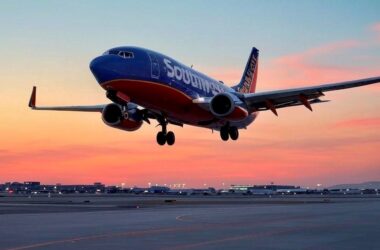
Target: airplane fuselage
{"type": "Point", "coordinates": [160, 83]}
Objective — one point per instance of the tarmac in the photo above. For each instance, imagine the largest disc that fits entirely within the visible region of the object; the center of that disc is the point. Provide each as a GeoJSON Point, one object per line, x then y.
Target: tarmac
{"type": "Point", "coordinates": [170, 222]}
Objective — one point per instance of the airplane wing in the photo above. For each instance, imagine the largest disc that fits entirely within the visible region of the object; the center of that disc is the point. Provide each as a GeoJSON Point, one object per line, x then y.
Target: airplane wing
{"type": "Point", "coordinates": [93, 108]}
{"type": "Point", "coordinates": [146, 113]}
{"type": "Point", "coordinates": [272, 100]}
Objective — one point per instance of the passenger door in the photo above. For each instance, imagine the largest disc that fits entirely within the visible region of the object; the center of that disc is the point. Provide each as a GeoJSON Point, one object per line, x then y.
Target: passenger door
{"type": "Point", "coordinates": [155, 66]}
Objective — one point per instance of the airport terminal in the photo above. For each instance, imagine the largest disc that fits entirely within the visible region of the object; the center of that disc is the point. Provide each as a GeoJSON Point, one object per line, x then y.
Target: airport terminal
{"type": "Point", "coordinates": [35, 188]}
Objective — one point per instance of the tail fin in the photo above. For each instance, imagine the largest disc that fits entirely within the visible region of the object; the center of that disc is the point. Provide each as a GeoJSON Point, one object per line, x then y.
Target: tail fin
{"type": "Point", "coordinates": [248, 81]}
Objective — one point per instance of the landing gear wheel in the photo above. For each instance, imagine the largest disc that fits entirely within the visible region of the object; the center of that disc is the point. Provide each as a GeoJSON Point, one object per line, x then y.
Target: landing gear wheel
{"type": "Point", "coordinates": [224, 133]}
{"type": "Point", "coordinates": [161, 138]}
{"type": "Point", "coordinates": [170, 138]}
{"type": "Point", "coordinates": [234, 133]}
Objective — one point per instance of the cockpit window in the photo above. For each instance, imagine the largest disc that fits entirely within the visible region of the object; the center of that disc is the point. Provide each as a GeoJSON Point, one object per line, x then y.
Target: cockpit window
{"type": "Point", "coordinates": [123, 54]}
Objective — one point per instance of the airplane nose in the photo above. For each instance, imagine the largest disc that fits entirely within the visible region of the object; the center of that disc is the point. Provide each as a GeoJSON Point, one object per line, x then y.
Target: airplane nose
{"type": "Point", "coordinates": [105, 68]}
{"type": "Point", "coordinates": [95, 64]}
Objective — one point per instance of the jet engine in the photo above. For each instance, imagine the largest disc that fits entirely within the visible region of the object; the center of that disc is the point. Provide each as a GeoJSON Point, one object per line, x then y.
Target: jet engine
{"type": "Point", "coordinates": [223, 105]}
{"type": "Point", "coordinates": [115, 116]}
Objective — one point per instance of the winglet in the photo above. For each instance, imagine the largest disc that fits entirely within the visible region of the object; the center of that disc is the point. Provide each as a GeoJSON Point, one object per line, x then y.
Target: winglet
{"type": "Point", "coordinates": [32, 101]}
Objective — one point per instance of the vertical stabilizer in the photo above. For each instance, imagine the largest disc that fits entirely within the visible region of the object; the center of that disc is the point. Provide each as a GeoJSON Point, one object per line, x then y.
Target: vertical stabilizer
{"type": "Point", "coordinates": [248, 81]}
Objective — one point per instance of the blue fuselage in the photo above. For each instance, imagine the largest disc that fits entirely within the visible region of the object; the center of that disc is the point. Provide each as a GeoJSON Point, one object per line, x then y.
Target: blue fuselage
{"type": "Point", "coordinates": [145, 66]}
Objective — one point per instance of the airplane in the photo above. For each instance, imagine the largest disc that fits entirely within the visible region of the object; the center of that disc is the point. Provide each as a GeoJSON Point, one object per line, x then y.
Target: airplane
{"type": "Point", "coordinates": [143, 84]}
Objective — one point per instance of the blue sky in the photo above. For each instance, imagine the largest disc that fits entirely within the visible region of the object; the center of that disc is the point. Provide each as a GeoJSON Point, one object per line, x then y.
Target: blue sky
{"type": "Point", "coordinates": [189, 30]}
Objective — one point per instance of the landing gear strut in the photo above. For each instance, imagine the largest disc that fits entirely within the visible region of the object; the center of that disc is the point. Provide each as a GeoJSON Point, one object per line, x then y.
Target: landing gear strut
{"type": "Point", "coordinates": [227, 132]}
{"type": "Point", "coordinates": [163, 136]}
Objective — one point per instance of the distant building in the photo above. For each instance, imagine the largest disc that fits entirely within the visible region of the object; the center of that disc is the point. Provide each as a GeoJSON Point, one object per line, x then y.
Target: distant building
{"type": "Point", "coordinates": [158, 190]}
{"type": "Point", "coordinates": [261, 189]}
{"type": "Point", "coordinates": [292, 191]}
{"type": "Point", "coordinates": [97, 187]}
{"type": "Point", "coordinates": [345, 191]}
{"type": "Point", "coordinates": [32, 186]}
{"type": "Point", "coordinates": [193, 191]}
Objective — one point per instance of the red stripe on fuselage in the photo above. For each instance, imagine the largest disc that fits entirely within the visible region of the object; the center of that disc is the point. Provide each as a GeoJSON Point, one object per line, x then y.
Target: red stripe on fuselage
{"type": "Point", "coordinates": [238, 114]}
{"type": "Point", "coordinates": [172, 102]}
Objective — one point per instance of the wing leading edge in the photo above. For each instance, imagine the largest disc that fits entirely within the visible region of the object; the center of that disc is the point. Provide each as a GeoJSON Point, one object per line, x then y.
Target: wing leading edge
{"type": "Point", "coordinates": [272, 100]}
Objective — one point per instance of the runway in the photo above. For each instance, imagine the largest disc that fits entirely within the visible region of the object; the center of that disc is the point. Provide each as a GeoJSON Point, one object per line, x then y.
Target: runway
{"type": "Point", "coordinates": [343, 223]}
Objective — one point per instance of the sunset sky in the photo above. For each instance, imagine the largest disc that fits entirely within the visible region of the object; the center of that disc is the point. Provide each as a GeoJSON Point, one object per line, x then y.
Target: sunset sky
{"type": "Point", "coordinates": [301, 43]}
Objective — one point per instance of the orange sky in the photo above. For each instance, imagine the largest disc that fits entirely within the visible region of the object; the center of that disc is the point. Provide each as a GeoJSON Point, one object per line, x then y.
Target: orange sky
{"type": "Point", "coordinates": [338, 142]}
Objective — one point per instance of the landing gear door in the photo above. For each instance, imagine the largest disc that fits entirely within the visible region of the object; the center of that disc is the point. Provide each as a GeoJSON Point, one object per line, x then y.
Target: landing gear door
{"type": "Point", "coordinates": [155, 73]}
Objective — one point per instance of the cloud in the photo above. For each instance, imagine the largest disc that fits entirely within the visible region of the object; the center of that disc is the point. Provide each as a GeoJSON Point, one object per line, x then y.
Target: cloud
{"type": "Point", "coordinates": [314, 65]}
{"type": "Point", "coordinates": [310, 66]}
{"type": "Point", "coordinates": [55, 154]}
{"type": "Point", "coordinates": [194, 161]}
{"type": "Point", "coordinates": [358, 123]}
{"type": "Point", "coordinates": [376, 27]}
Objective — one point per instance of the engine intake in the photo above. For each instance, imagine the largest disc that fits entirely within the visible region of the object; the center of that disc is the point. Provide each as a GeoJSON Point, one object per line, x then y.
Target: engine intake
{"type": "Point", "coordinates": [222, 105]}
{"type": "Point", "coordinates": [112, 115]}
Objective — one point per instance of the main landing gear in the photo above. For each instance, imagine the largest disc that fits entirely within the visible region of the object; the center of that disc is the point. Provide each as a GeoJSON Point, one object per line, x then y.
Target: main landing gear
{"type": "Point", "coordinates": [163, 136]}
{"type": "Point", "coordinates": [227, 132]}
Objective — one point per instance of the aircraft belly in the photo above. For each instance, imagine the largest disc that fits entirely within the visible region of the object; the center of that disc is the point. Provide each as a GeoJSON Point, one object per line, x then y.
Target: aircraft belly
{"type": "Point", "coordinates": [156, 96]}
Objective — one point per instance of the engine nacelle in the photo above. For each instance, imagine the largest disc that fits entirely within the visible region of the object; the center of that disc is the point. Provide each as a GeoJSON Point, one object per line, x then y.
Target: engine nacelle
{"type": "Point", "coordinates": [114, 116]}
{"type": "Point", "coordinates": [223, 105]}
